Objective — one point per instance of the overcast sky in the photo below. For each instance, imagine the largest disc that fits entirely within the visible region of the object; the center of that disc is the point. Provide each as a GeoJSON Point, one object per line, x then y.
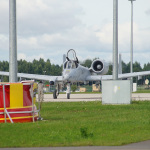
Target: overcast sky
{"type": "Point", "coordinates": [49, 28]}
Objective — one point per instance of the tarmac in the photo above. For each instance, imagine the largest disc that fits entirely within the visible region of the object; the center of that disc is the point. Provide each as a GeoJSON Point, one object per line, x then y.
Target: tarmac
{"type": "Point", "coordinates": [145, 145]}
{"type": "Point", "coordinates": [90, 97]}
{"type": "Point", "coordinates": [135, 146]}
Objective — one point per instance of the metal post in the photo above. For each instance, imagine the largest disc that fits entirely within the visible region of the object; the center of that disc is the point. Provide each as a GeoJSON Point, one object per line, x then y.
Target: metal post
{"type": "Point", "coordinates": [12, 42]}
{"type": "Point", "coordinates": [32, 102]}
{"type": "Point", "coordinates": [131, 45]}
{"type": "Point", "coordinates": [115, 39]}
{"type": "Point", "coordinates": [9, 116]}
{"type": "Point", "coordinates": [4, 102]}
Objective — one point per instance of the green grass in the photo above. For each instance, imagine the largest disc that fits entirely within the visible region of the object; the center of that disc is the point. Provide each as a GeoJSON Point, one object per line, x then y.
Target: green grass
{"type": "Point", "coordinates": [142, 91]}
{"type": "Point", "coordinates": [81, 124]}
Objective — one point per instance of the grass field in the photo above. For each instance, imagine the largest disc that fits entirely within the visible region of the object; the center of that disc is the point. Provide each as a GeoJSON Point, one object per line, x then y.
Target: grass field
{"type": "Point", "coordinates": [142, 91]}
{"type": "Point", "coordinates": [81, 123]}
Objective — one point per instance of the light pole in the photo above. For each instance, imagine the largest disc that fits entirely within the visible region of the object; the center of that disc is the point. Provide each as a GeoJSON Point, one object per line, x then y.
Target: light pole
{"type": "Point", "coordinates": [115, 39]}
{"type": "Point", "coordinates": [131, 46]}
{"type": "Point", "coordinates": [13, 67]}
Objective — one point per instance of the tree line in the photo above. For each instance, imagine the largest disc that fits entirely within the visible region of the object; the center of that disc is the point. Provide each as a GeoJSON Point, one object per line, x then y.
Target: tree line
{"type": "Point", "coordinates": [47, 68]}
{"type": "Point", "coordinates": [35, 67]}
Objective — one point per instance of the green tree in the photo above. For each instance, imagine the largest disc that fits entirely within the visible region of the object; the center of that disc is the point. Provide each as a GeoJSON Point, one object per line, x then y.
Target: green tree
{"type": "Point", "coordinates": [87, 63]}
{"type": "Point", "coordinates": [110, 70]}
{"type": "Point", "coordinates": [137, 67]}
{"type": "Point", "coordinates": [73, 87]}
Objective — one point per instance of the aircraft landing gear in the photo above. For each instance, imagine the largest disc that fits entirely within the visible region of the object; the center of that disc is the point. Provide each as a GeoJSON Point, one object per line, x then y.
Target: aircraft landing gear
{"type": "Point", "coordinates": [56, 92]}
{"type": "Point", "coordinates": [68, 91]}
{"type": "Point", "coordinates": [68, 95]}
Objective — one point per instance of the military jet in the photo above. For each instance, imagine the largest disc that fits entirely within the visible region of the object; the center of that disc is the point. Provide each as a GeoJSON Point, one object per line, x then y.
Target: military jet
{"type": "Point", "coordinates": [74, 72]}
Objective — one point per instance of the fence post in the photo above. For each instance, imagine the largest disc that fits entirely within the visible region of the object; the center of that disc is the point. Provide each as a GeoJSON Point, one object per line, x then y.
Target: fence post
{"type": "Point", "coordinates": [32, 102]}
{"type": "Point", "coordinates": [4, 102]}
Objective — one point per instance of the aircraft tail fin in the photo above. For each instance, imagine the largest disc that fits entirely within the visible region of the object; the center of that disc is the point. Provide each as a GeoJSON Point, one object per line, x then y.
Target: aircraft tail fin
{"type": "Point", "coordinates": [64, 58]}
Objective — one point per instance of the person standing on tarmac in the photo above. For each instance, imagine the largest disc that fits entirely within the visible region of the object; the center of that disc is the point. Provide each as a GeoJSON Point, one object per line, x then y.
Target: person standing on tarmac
{"type": "Point", "coordinates": [40, 97]}
{"type": "Point", "coordinates": [40, 92]}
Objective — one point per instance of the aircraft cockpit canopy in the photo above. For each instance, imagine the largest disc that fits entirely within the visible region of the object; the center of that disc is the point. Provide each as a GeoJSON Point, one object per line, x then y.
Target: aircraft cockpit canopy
{"type": "Point", "coordinates": [71, 55]}
{"type": "Point", "coordinates": [70, 65]}
{"type": "Point", "coordinates": [72, 60]}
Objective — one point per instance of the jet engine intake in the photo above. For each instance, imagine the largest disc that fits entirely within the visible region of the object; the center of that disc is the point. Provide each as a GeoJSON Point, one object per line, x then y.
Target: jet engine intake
{"type": "Point", "coordinates": [51, 83]}
{"type": "Point", "coordinates": [99, 67]}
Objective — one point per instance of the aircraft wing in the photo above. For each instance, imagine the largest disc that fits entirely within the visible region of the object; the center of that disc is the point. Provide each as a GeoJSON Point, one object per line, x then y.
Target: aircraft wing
{"type": "Point", "coordinates": [89, 78]}
{"type": "Point", "coordinates": [120, 76]}
{"type": "Point", "coordinates": [35, 76]}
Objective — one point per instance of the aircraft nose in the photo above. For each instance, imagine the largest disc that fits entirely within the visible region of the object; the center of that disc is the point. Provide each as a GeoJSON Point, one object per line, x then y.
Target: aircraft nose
{"type": "Point", "coordinates": [66, 77]}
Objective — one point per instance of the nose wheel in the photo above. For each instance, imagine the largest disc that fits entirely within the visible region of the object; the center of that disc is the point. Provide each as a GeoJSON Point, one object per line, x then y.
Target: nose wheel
{"type": "Point", "coordinates": [56, 92]}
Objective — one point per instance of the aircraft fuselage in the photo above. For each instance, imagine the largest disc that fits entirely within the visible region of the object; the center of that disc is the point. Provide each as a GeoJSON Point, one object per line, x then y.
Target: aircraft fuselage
{"type": "Point", "coordinates": [78, 74]}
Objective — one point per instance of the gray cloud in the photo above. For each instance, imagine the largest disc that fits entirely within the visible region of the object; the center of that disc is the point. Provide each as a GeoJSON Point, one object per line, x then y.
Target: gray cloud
{"type": "Point", "coordinates": [4, 17]}
{"type": "Point", "coordinates": [147, 12]}
{"type": "Point", "coordinates": [47, 16]}
{"type": "Point", "coordinates": [39, 17]}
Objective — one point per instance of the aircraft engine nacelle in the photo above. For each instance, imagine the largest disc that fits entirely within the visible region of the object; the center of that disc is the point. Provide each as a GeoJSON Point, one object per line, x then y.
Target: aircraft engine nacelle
{"type": "Point", "coordinates": [99, 67]}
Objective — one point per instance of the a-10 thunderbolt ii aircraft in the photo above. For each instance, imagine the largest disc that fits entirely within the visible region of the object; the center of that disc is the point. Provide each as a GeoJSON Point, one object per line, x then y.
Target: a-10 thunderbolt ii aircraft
{"type": "Point", "coordinates": [74, 72]}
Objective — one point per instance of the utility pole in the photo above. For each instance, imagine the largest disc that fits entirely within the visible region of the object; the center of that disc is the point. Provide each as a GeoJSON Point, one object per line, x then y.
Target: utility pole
{"type": "Point", "coordinates": [13, 66]}
{"type": "Point", "coordinates": [115, 39]}
{"type": "Point", "coordinates": [116, 91]}
{"type": "Point", "coordinates": [131, 45]}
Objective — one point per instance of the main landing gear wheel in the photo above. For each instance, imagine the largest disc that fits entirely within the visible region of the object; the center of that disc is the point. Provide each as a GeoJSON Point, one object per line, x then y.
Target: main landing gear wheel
{"type": "Point", "coordinates": [55, 94]}
{"type": "Point", "coordinates": [68, 95]}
